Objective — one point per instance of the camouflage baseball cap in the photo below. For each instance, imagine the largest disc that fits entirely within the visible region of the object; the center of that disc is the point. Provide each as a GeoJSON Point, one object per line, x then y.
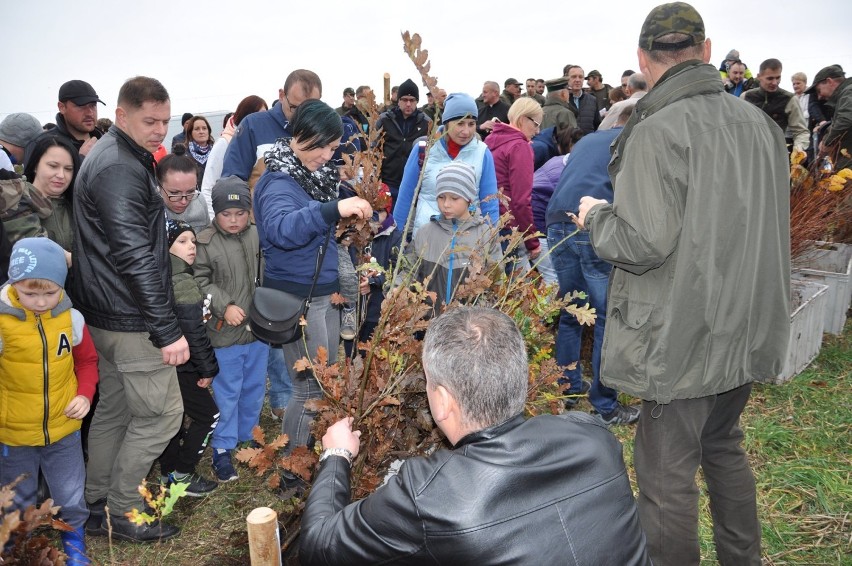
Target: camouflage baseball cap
{"type": "Point", "coordinates": [677, 17]}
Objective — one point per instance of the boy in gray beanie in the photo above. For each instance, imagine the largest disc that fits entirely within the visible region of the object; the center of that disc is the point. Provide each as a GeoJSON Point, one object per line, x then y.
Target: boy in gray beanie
{"type": "Point", "coordinates": [442, 249]}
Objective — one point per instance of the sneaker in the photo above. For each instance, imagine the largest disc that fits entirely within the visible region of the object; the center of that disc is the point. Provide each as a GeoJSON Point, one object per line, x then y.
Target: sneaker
{"type": "Point", "coordinates": [348, 323]}
{"type": "Point", "coordinates": [621, 415]}
{"type": "Point", "coordinates": [571, 402]}
{"type": "Point", "coordinates": [277, 413]}
{"type": "Point", "coordinates": [199, 486]}
{"type": "Point", "coordinates": [223, 467]}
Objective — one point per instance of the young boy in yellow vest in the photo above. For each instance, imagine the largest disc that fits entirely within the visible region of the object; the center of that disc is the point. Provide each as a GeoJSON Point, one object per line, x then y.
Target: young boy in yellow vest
{"type": "Point", "coordinates": [48, 375]}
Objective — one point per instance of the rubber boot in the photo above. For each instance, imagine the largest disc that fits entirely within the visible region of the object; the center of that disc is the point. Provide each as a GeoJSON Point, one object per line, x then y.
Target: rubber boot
{"type": "Point", "coordinates": [74, 544]}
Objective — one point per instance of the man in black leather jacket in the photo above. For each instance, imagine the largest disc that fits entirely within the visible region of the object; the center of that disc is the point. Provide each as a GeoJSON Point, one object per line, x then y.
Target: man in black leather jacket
{"type": "Point", "coordinates": [122, 284]}
{"type": "Point", "coordinates": [548, 490]}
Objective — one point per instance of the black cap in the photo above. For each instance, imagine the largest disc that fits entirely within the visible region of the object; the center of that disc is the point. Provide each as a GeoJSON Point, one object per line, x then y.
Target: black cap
{"type": "Point", "coordinates": [594, 73]}
{"type": "Point", "coordinates": [830, 72]}
{"type": "Point", "coordinates": [349, 90]}
{"type": "Point", "coordinates": [78, 92]}
{"type": "Point", "coordinates": [187, 116]}
{"type": "Point", "coordinates": [508, 82]}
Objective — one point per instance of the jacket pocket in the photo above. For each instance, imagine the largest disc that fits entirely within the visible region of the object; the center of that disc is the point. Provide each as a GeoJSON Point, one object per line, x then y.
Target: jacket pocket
{"type": "Point", "coordinates": [626, 341]}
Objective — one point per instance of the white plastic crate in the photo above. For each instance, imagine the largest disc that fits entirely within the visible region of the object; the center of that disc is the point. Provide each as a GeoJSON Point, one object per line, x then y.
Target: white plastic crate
{"type": "Point", "coordinates": [829, 264]}
{"type": "Point", "coordinates": [806, 327]}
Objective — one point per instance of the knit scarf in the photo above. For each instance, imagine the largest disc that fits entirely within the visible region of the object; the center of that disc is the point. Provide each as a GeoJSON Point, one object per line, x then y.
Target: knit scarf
{"type": "Point", "coordinates": [321, 185]}
{"type": "Point", "coordinates": [199, 153]}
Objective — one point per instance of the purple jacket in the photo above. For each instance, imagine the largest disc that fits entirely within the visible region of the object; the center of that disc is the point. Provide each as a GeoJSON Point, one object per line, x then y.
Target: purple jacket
{"type": "Point", "coordinates": [544, 182]}
{"type": "Point", "coordinates": [514, 163]}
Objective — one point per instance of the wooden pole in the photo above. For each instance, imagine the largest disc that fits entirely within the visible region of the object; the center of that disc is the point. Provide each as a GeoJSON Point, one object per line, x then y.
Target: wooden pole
{"type": "Point", "coordinates": [263, 536]}
{"type": "Point", "coordinates": [387, 97]}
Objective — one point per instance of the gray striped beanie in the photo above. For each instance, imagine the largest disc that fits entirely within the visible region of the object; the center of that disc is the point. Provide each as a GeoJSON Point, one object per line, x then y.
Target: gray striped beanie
{"type": "Point", "coordinates": [458, 178]}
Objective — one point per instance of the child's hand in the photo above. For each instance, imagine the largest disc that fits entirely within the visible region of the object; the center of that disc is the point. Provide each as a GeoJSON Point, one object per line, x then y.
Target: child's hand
{"type": "Point", "coordinates": [364, 285]}
{"type": "Point", "coordinates": [234, 315]}
{"type": "Point", "coordinates": [78, 407]}
{"type": "Point", "coordinates": [205, 382]}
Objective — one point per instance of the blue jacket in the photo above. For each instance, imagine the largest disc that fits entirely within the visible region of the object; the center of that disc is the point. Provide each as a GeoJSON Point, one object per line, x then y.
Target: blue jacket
{"type": "Point", "coordinates": [585, 173]}
{"type": "Point", "coordinates": [255, 134]}
{"type": "Point", "coordinates": [475, 154]}
{"type": "Point", "coordinates": [292, 227]}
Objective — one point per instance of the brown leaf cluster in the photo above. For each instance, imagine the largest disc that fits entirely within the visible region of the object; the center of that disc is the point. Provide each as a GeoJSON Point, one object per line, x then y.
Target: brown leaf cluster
{"type": "Point", "coordinates": [26, 548]}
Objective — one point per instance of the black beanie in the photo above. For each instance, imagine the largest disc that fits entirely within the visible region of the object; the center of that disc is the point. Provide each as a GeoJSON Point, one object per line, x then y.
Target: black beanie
{"type": "Point", "coordinates": [175, 228]}
{"type": "Point", "coordinates": [408, 88]}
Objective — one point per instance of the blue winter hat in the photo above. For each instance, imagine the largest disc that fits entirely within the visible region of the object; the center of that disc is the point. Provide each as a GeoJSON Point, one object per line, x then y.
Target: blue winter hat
{"type": "Point", "coordinates": [458, 105]}
{"type": "Point", "coordinates": [37, 258]}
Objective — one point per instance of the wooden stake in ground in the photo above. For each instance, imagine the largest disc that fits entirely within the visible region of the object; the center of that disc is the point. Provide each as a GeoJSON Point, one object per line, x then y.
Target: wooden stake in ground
{"type": "Point", "coordinates": [263, 536]}
{"type": "Point", "coordinates": [387, 90]}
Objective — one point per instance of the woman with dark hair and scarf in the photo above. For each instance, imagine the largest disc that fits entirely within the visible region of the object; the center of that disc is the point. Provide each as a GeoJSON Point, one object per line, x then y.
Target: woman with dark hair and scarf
{"type": "Point", "coordinates": [199, 141]}
{"type": "Point", "coordinates": [296, 206]}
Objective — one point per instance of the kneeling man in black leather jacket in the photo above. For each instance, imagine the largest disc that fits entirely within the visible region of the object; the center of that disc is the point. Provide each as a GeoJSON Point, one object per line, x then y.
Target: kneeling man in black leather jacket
{"type": "Point", "coordinates": [547, 490]}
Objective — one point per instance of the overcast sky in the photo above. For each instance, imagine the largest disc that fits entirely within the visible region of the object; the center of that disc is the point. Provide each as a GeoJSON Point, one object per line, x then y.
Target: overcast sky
{"type": "Point", "coordinates": [210, 54]}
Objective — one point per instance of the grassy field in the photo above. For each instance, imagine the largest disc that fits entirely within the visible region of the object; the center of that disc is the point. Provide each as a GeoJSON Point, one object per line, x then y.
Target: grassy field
{"type": "Point", "coordinates": [798, 437]}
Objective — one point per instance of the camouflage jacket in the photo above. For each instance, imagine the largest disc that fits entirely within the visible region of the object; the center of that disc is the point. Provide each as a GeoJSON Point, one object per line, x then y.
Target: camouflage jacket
{"type": "Point", "coordinates": [22, 209]}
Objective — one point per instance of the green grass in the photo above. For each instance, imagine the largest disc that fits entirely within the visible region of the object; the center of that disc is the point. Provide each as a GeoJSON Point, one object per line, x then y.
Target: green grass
{"type": "Point", "coordinates": [797, 436]}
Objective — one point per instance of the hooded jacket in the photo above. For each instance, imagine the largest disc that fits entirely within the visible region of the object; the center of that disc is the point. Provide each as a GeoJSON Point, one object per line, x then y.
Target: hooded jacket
{"type": "Point", "coordinates": [699, 300]}
{"type": "Point", "coordinates": [121, 271]}
{"type": "Point", "coordinates": [523, 492]}
{"type": "Point", "coordinates": [189, 307]}
{"type": "Point", "coordinates": [443, 249]}
{"type": "Point", "coordinates": [840, 104]}
{"type": "Point", "coordinates": [45, 361]}
{"type": "Point", "coordinates": [514, 163]}
{"type": "Point", "coordinates": [225, 269]}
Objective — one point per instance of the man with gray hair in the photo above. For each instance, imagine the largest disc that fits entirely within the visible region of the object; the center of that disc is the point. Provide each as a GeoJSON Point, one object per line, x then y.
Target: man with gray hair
{"type": "Point", "coordinates": [510, 490]}
{"type": "Point", "coordinates": [636, 88]}
{"type": "Point", "coordinates": [698, 305]}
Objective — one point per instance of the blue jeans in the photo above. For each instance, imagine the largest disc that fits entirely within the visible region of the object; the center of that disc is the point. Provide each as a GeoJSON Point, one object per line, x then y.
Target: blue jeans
{"type": "Point", "coordinates": [280, 386]}
{"type": "Point", "coordinates": [578, 268]}
{"type": "Point", "coordinates": [61, 462]}
{"type": "Point", "coordinates": [238, 391]}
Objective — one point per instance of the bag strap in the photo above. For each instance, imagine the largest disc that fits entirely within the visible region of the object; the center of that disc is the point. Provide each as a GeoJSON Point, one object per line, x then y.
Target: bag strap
{"type": "Point", "coordinates": [320, 258]}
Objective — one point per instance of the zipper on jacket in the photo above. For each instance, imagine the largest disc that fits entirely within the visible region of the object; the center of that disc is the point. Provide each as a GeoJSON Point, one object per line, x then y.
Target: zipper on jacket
{"type": "Point", "coordinates": [450, 264]}
{"type": "Point", "coordinates": [46, 379]}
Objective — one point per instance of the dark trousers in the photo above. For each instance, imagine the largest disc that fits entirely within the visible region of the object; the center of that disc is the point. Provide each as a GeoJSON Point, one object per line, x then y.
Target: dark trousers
{"type": "Point", "coordinates": [672, 441]}
{"type": "Point", "coordinates": [186, 447]}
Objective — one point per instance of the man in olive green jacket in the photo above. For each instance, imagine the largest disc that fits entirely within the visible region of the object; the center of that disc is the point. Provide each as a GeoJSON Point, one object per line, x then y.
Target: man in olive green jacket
{"type": "Point", "coordinates": [698, 305]}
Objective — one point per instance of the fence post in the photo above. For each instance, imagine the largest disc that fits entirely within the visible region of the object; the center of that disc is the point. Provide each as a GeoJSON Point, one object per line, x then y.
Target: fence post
{"type": "Point", "coordinates": [263, 536]}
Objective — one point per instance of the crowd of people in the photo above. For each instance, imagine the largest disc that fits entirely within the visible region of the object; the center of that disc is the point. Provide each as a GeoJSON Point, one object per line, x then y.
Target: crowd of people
{"type": "Point", "coordinates": [161, 250]}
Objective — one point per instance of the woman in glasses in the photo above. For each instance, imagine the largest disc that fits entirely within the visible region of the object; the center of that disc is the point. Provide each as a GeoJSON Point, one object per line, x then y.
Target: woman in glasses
{"type": "Point", "coordinates": [177, 176]}
{"type": "Point", "coordinates": [514, 165]}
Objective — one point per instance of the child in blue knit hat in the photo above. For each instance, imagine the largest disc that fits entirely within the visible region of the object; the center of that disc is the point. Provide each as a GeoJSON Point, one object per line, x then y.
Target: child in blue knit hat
{"type": "Point", "coordinates": [48, 376]}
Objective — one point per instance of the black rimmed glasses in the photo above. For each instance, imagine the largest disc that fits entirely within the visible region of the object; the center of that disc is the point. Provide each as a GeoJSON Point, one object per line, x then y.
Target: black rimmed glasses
{"type": "Point", "coordinates": [177, 197]}
{"type": "Point", "coordinates": [537, 124]}
{"type": "Point", "coordinates": [292, 106]}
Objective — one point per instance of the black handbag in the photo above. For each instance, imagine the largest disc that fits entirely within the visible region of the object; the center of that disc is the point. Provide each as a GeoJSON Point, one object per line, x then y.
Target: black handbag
{"type": "Point", "coordinates": [275, 316]}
